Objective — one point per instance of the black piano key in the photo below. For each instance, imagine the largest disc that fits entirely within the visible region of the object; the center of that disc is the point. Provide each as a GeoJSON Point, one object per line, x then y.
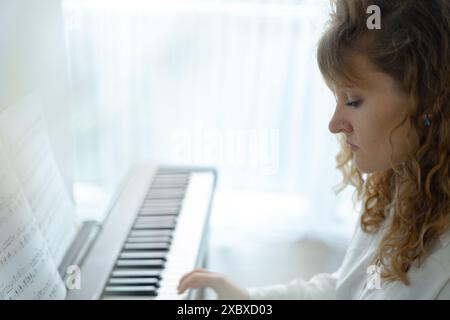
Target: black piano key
{"type": "Point", "coordinates": [155, 220]}
{"type": "Point", "coordinates": [158, 215]}
{"type": "Point", "coordinates": [136, 272]}
{"type": "Point", "coordinates": [131, 290]}
{"type": "Point", "coordinates": [143, 255]}
{"type": "Point", "coordinates": [133, 281]}
{"type": "Point", "coordinates": [140, 263]}
{"type": "Point", "coordinates": [155, 217]}
{"type": "Point", "coordinates": [165, 180]}
{"type": "Point", "coordinates": [151, 233]}
{"type": "Point", "coordinates": [147, 246]}
{"type": "Point", "coordinates": [160, 182]}
{"type": "Point", "coordinates": [169, 200]}
{"type": "Point", "coordinates": [170, 184]}
{"type": "Point", "coordinates": [173, 171]}
{"type": "Point", "coordinates": [152, 227]}
{"type": "Point", "coordinates": [162, 193]}
{"type": "Point", "coordinates": [165, 196]}
{"type": "Point", "coordinates": [174, 197]}
{"type": "Point", "coordinates": [150, 213]}
{"type": "Point", "coordinates": [174, 211]}
{"type": "Point", "coordinates": [161, 177]}
{"type": "Point", "coordinates": [179, 190]}
{"type": "Point", "coordinates": [163, 172]}
{"type": "Point", "coordinates": [160, 205]}
{"type": "Point", "coordinates": [168, 190]}
{"type": "Point", "coordinates": [151, 206]}
{"type": "Point", "coordinates": [165, 183]}
{"type": "Point", "coordinates": [159, 208]}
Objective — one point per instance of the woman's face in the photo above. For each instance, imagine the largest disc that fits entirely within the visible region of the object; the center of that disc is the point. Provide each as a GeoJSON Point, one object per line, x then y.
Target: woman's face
{"type": "Point", "coordinates": [367, 112]}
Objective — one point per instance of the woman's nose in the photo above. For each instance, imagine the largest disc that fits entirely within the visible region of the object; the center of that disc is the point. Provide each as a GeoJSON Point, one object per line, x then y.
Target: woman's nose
{"type": "Point", "coordinates": [339, 124]}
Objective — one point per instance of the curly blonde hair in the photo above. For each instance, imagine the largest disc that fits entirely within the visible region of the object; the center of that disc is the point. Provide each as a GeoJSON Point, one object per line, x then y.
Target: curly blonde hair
{"type": "Point", "coordinates": [413, 47]}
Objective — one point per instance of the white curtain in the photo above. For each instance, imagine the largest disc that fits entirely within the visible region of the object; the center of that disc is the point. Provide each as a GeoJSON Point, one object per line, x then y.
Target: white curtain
{"type": "Point", "coordinates": [233, 84]}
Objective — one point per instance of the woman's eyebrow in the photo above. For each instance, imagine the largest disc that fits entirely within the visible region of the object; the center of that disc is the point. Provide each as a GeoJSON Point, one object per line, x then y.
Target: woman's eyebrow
{"type": "Point", "coordinates": [353, 88]}
{"type": "Point", "coordinates": [342, 88]}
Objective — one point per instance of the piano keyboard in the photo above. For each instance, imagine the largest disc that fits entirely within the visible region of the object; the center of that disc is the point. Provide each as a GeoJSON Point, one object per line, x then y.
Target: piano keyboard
{"type": "Point", "coordinates": [165, 239]}
{"type": "Point", "coordinates": [143, 257]}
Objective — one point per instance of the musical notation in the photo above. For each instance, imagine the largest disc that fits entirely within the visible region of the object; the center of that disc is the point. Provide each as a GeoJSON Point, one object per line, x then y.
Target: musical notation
{"type": "Point", "coordinates": [15, 243]}
{"type": "Point", "coordinates": [27, 269]}
{"type": "Point", "coordinates": [23, 132]}
{"type": "Point", "coordinates": [36, 279]}
{"type": "Point", "coordinates": [34, 206]}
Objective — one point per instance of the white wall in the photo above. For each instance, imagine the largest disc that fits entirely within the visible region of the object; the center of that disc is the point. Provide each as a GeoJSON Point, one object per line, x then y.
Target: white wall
{"type": "Point", "coordinates": [32, 58]}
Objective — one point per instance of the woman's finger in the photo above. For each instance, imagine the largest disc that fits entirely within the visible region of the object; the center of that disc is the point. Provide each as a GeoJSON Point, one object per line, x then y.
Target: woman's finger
{"type": "Point", "coordinates": [190, 273]}
{"type": "Point", "coordinates": [193, 280]}
{"type": "Point", "coordinates": [198, 280]}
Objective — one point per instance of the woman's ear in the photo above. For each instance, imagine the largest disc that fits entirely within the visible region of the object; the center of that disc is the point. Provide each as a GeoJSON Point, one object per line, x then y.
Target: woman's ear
{"type": "Point", "coordinates": [427, 119]}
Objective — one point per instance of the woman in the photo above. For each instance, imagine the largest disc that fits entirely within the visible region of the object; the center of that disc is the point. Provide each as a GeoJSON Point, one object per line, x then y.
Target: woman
{"type": "Point", "coordinates": [392, 89]}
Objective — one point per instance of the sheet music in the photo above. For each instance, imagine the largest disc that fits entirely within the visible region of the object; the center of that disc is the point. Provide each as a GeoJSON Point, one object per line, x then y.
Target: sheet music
{"type": "Point", "coordinates": [27, 269]}
{"type": "Point", "coordinates": [24, 137]}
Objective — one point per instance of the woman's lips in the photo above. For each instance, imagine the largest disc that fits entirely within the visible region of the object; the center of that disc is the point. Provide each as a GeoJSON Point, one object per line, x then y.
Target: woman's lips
{"type": "Point", "coordinates": [352, 146]}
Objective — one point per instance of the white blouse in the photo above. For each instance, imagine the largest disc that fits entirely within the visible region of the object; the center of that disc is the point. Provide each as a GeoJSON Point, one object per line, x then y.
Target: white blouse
{"type": "Point", "coordinates": [357, 279]}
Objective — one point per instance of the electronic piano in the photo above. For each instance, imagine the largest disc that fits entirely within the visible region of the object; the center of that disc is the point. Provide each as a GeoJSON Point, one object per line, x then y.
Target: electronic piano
{"type": "Point", "coordinates": [155, 231]}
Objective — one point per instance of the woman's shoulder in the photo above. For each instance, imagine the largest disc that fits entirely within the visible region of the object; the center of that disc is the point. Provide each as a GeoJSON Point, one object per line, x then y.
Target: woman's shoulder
{"type": "Point", "coordinates": [440, 251]}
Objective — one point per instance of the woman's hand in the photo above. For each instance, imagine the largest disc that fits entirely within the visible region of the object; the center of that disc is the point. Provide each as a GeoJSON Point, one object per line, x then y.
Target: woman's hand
{"type": "Point", "coordinates": [201, 278]}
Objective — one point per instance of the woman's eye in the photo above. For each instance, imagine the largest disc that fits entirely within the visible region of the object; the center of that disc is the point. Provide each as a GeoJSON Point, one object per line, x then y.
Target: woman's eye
{"type": "Point", "coordinates": [354, 104]}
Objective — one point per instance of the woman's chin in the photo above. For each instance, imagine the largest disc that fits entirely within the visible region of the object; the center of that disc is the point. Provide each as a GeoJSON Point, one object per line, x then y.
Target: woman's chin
{"type": "Point", "coordinates": [365, 167]}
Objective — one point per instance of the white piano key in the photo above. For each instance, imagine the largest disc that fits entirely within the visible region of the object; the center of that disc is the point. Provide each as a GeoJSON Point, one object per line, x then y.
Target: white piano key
{"type": "Point", "coordinates": [167, 190]}
{"type": "Point", "coordinates": [172, 197]}
{"type": "Point", "coordinates": [170, 185]}
{"type": "Point", "coordinates": [156, 219]}
{"type": "Point", "coordinates": [146, 233]}
{"type": "Point", "coordinates": [140, 262]}
{"type": "Point", "coordinates": [187, 237]}
{"type": "Point", "coordinates": [183, 252]}
{"type": "Point", "coordinates": [148, 239]}
{"type": "Point", "coordinates": [154, 225]}
{"type": "Point", "coordinates": [143, 254]}
{"type": "Point", "coordinates": [147, 246]}
{"type": "Point", "coordinates": [136, 273]}
{"type": "Point", "coordinates": [175, 192]}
